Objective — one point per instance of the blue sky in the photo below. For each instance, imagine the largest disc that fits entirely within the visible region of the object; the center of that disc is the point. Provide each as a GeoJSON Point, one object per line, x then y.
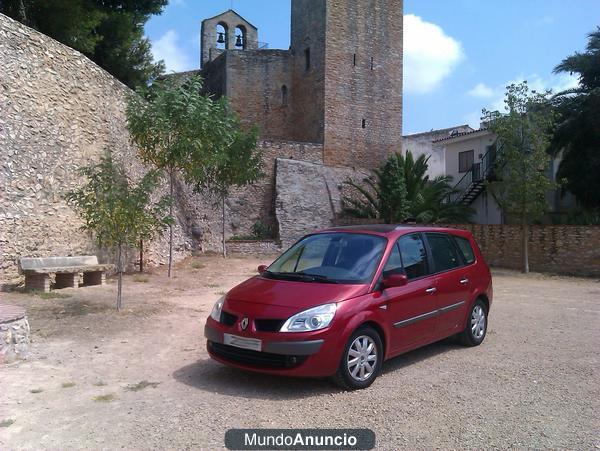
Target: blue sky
{"type": "Point", "coordinates": [459, 54]}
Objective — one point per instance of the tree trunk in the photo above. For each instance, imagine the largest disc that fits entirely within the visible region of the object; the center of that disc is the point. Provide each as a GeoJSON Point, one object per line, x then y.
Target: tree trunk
{"type": "Point", "coordinates": [141, 255]}
{"type": "Point", "coordinates": [223, 226]}
{"type": "Point", "coordinates": [120, 270]}
{"type": "Point", "coordinates": [525, 246]}
{"type": "Point", "coordinates": [170, 224]}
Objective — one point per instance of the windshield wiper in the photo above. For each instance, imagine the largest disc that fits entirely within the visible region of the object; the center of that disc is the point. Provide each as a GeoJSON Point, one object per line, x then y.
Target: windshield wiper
{"type": "Point", "coordinates": [302, 276]}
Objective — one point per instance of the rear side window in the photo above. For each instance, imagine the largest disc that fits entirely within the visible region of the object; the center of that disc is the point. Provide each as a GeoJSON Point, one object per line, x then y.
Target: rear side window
{"type": "Point", "coordinates": [414, 256]}
{"type": "Point", "coordinates": [465, 248]}
{"type": "Point", "coordinates": [443, 252]}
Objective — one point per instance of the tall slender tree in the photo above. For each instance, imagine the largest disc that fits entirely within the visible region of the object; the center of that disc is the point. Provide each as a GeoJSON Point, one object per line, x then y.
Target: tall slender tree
{"type": "Point", "coordinates": [118, 212]}
{"type": "Point", "coordinates": [524, 133]}
{"type": "Point", "coordinates": [236, 160]}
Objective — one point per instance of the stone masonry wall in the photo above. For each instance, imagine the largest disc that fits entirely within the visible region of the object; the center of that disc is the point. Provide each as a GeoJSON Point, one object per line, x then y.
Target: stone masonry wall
{"type": "Point", "coordinates": [255, 79]}
{"type": "Point", "coordinates": [309, 196]}
{"type": "Point", "coordinates": [363, 82]}
{"type": "Point", "coordinates": [58, 112]}
{"type": "Point", "coordinates": [257, 202]}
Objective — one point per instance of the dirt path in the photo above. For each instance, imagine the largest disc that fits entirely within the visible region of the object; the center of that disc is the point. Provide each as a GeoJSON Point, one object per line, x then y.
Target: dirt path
{"type": "Point", "coordinates": [534, 383]}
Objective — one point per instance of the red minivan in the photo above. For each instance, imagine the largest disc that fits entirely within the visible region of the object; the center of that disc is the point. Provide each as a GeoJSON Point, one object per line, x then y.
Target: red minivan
{"type": "Point", "coordinates": [341, 301]}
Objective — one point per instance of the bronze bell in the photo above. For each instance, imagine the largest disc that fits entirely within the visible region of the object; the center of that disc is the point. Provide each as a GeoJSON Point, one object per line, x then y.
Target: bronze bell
{"type": "Point", "coordinates": [221, 38]}
{"type": "Point", "coordinates": [238, 41]}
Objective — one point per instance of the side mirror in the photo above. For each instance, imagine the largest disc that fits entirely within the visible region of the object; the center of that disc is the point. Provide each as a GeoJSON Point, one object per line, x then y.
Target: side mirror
{"type": "Point", "coordinates": [395, 280]}
{"type": "Point", "coordinates": [261, 268]}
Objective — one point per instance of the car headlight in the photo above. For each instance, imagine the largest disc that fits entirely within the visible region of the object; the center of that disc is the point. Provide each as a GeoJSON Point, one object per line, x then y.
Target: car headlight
{"type": "Point", "coordinates": [312, 319]}
{"type": "Point", "coordinates": [216, 310]}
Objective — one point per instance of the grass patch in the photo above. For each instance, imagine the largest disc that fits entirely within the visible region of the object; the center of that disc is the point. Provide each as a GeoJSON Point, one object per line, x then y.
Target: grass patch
{"type": "Point", "coordinates": [35, 391]}
{"type": "Point", "coordinates": [99, 383]}
{"type": "Point", "coordinates": [68, 384]}
{"type": "Point", "coordinates": [6, 423]}
{"type": "Point", "coordinates": [198, 265]}
{"type": "Point", "coordinates": [141, 385]}
{"type": "Point", "coordinates": [51, 295]}
{"type": "Point", "coordinates": [105, 398]}
{"type": "Point", "coordinates": [140, 278]}
{"type": "Point", "coordinates": [212, 285]}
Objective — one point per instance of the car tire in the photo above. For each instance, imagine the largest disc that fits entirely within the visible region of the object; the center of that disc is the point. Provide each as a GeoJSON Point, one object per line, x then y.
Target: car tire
{"type": "Point", "coordinates": [361, 361]}
{"type": "Point", "coordinates": [477, 324]}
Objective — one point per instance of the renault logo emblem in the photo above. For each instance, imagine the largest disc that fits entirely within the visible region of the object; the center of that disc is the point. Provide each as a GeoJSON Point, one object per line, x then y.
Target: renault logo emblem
{"type": "Point", "coordinates": [244, 323]}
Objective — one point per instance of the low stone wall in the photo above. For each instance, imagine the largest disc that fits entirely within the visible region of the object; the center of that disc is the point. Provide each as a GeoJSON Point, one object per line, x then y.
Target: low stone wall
{"type": "Point", "coordinates": [252, 247]}
{"type": "Point", "coordinates": [560, 249]}
{"type": "Point", "coordinates": [14, 334]}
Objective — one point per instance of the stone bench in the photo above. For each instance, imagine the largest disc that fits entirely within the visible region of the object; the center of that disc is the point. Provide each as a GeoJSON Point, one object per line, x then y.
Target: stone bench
{"type": "Point", "coordinates": [37, 271]}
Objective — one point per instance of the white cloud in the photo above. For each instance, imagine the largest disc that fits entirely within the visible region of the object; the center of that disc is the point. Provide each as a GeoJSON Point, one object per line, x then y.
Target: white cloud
{"type": "Point", "coordinates": [430, 54]}
{"type": "Point", "coordinates": [481, 90]}
{"type": "Point", "coordinates": [555, 83]}
{"type": "Point", "coordinates": [167, 49]}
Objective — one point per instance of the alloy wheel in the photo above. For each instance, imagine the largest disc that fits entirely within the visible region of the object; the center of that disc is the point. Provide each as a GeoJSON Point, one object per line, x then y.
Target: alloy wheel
{"type": "Point", "coordinates": [362, 358]}
{"type": "Point", "coordinates": [478, 322]}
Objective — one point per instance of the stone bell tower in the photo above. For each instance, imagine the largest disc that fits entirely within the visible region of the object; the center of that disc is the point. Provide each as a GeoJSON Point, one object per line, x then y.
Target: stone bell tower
{"type": "Point", "coordinates": [227, 31]}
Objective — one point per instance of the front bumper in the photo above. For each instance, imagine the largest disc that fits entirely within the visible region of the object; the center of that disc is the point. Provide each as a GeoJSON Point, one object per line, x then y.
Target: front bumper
{"type": "Point", "coordinates": [315, 357]}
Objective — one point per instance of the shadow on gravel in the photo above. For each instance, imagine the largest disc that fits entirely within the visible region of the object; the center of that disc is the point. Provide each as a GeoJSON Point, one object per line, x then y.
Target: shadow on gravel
{"type": "Point", "coordinates": [403, 360]}
{"type": "Point", "coordinates": [214, 377]}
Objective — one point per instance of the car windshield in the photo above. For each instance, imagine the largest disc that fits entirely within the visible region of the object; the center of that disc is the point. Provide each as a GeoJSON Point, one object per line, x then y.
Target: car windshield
{"type": "Point", "coordinates": [349, 258]}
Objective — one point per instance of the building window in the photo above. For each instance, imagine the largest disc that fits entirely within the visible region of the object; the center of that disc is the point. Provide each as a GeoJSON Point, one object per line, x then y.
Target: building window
{"type": "Point", "coordinates": [364, 123]}
{"type": "Point", "coordinates": [371, 63]}
{"type": "Point", "coordinates": [307, 59]}
{"type": "Point", "coordinates": [284, 95]}
{"type": "Point", "coordinates": [354, 60]}
{"type": "Point", "coordinates": [465, 160]}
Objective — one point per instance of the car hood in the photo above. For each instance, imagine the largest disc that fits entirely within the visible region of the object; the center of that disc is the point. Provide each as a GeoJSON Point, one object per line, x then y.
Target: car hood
{"type": "Point", "coordinates": [291, 296]}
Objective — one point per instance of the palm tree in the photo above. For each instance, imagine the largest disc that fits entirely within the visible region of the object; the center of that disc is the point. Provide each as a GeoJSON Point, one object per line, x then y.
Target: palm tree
{"type": "Point", "coordinates": [400, 190]}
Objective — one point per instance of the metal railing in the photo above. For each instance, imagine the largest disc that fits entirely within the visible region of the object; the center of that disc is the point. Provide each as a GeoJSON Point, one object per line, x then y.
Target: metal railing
{"type": "Point", "coordinates": [478, 172]}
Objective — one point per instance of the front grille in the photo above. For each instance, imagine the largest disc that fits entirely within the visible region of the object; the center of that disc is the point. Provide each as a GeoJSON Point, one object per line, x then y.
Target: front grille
{"type": "Point", "coordinates": [255, 358]}
{"type": "Point", "coordinates": [227, 318]}
{"type": "Point", "coordinates": [268, 325]}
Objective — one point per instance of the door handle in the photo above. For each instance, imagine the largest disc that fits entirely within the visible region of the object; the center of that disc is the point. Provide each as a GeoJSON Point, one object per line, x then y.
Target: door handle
{"type": "Point", "coordinates": [431, 290]}
{"type": "Point", "coordinates": [464, 281]}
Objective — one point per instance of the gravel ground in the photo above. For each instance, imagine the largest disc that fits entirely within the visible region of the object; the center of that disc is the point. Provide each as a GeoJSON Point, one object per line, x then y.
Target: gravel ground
{"type": "Point", "coordinates": [533, 383]}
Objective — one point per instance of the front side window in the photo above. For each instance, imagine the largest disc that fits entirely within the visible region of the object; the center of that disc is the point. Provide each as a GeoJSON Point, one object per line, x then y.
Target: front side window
{"type": "Point", "coordinates": [465, 248]}
{"type": "Point", "coordinates": [443, 252]}
{"type": "Point", "coordinates": [414, 256]}
{"type": "Point", "coordinates": [394, 263]}
{"type": "Point", "coordinates": [465, 160]}
{"type": "Point", "coordinates": [350, 258]}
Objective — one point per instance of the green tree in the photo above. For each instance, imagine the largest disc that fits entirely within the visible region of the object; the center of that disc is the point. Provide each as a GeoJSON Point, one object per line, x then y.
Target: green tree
{"type": "Point", "coordinates": [118, 212]}
{"type": "Point", "coordinates": [237, 161]}
{"type": "Point", "coordinates": [400, 190]}
{"type": "Point", "coordinates": [109, 32]}
{"type": "Point", "coordinates": [169, 121]}
{"type": "Point", "coordinates": [524, 133]}
{"type": "Point", "coordinates": [578, 131]}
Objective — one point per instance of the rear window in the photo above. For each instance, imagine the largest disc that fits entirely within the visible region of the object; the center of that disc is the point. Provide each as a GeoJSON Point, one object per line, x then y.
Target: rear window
{"type": "Point", "coordinates": [465, 248]}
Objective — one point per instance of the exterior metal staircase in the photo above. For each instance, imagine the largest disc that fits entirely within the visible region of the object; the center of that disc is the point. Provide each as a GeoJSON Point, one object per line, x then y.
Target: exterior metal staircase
{"type": "Point", "coordinates": [473, 182]}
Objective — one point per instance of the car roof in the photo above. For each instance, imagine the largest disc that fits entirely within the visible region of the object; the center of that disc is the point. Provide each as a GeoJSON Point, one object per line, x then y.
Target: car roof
{"type": "Point", "coordinates": [393, 230]}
